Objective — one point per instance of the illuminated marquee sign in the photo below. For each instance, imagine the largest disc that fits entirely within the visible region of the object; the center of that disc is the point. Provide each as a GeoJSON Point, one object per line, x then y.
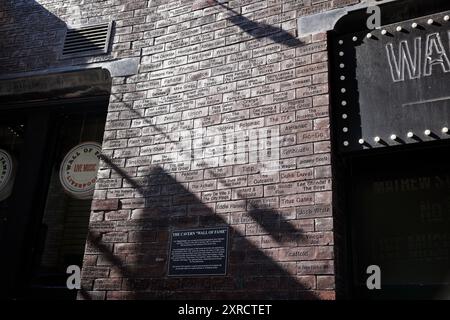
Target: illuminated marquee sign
{"type": "Point", "coordinates": [392, 85]}
{"type": "Point", "coordinates": [78, 171]}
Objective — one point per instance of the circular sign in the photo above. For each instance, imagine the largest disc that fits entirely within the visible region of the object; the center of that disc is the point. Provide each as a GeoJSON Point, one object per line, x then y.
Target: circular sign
{"type": "Point", "coordinates": [78, 172]}
{"type": "Point", "coordinates": [6, 174]}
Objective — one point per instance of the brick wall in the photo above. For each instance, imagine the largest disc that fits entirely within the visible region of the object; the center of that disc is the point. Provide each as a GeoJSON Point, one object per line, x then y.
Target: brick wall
{"type": "Point", "coordinates": [208, 72]}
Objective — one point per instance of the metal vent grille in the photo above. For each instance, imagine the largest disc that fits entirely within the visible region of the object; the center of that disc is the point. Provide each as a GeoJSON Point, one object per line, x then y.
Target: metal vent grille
{"type": "Point", "coordinates": [87, 41]}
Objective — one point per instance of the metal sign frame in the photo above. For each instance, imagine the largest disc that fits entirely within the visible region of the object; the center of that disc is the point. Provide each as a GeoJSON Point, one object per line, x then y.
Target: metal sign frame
{"type": "Point", "coordinates": [393, 84]}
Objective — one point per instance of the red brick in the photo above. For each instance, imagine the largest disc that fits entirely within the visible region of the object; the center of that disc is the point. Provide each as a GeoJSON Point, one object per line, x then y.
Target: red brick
{"type": "Point", "coordinates": [107, 284]}
{"type": "Point", "coordinates": [315, 267]}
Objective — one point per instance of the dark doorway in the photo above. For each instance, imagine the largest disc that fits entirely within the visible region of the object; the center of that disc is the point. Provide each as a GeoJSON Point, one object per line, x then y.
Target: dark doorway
{"type": "Point", "coordinates": [43, 229]}
{"type": "Point", "coordinates": [399, 213]}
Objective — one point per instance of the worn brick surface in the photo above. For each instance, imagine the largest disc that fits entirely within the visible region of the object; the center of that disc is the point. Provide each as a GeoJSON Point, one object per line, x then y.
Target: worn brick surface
{"type": "Point", "coordinates": [208, 72]}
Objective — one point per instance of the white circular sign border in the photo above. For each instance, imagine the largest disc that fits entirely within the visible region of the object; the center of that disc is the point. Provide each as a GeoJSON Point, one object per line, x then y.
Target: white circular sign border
{"type": "Point", "coordinates": [82, 195]}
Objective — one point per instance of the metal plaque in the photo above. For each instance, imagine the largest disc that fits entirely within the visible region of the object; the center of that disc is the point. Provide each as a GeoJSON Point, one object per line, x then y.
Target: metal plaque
{"type": "Point", "coordinates": [392, 85]}
{"type": "Point", "coordinates": [198, 252]}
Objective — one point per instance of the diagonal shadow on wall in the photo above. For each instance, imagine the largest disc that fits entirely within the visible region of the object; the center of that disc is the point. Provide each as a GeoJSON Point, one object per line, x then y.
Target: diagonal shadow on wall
{"type": "Point", "coordinates": [257, 29]}
{"type": "Point", "coordinates": [252, 271]}
{"type": "Point", "coordinates": [168, 205]}
{"type": "Point", "coordinates": [30, 36]}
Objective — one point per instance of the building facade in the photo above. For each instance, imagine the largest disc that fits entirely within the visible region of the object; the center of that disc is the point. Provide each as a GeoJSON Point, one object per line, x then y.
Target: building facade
{"type": "Point", "coordinates": [198, 149]}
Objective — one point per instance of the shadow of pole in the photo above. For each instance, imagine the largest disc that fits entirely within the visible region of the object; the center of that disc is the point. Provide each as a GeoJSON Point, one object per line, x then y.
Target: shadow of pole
{"type": "Point", "coordinates": [259, 29]}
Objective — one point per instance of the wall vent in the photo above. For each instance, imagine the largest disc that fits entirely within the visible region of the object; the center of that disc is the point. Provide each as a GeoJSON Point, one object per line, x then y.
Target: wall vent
{"type": "Point", "coordinates": [87, 41]}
